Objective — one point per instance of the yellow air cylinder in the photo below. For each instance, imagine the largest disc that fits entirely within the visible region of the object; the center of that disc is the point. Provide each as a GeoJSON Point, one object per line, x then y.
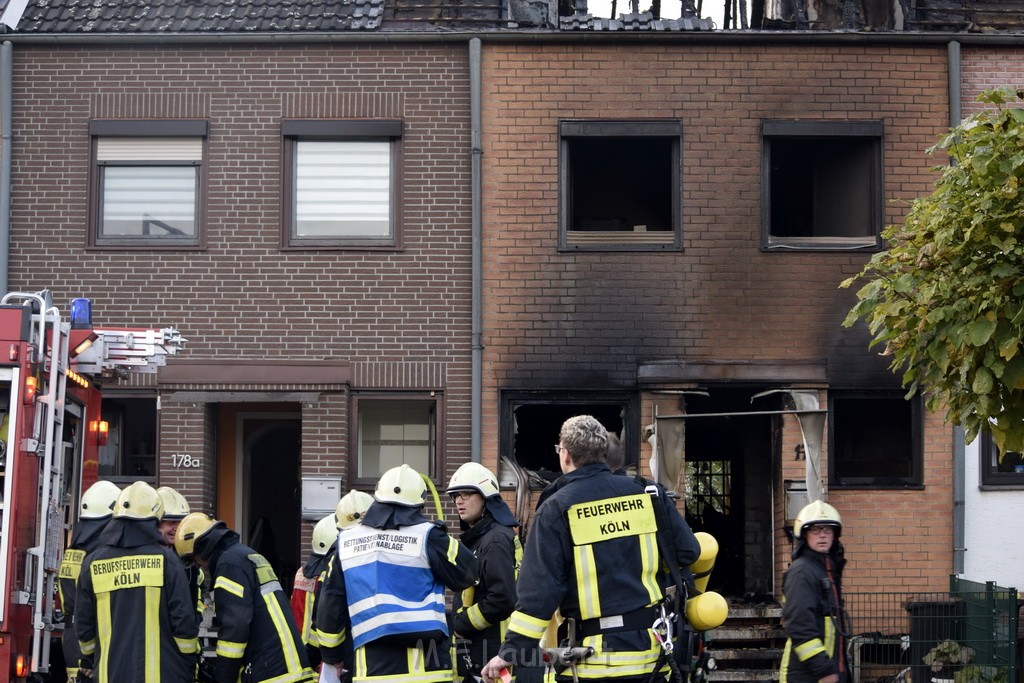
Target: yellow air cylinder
{"type": "Point", "coordinates": [706, 611]}
{"type": "Point", "coordinates": [705, 563]}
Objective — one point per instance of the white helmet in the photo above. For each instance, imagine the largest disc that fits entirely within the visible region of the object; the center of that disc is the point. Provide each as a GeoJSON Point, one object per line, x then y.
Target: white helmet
{"type": "Point", "coordinates": [473, 476]}
{"type": "Point", "coordinates": [818, 512]}
{"type": "Point", "coordinates": [98, 500]}
{"type": "Point", "coordinates": [139, 501]}
{"type": "Point", "coordinates": [402, 486]}
{"type": "Point", "coordinates": [175, 505]}
{"type": "Point", "coordinates": [324, 534]}
{"type": "Point", "coordinates": [351, 508]}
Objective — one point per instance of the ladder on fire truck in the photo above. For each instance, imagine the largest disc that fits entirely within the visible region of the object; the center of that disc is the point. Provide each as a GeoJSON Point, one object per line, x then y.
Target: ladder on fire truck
{"type": "Point", "coordinates": [114, 352]}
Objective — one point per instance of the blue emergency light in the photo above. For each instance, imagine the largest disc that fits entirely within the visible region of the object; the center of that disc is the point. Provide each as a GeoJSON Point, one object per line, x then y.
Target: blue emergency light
{"type": "Point", "coordinates": [81, 314]}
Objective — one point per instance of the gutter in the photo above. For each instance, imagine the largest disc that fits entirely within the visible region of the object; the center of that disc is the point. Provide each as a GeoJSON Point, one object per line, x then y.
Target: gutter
{"type": "Point", "coordinates": [513, 36]}
{"type": "Point", "coordinates": [959, 458]}
{"type": "Point", "coordinates": [477, 152]}
{"type": "Point", "coordinates": [6, 113]}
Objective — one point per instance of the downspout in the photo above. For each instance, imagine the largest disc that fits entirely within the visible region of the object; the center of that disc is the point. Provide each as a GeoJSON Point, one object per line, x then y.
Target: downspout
{"type": "Point", "coordinates": [476, 149]}
{"type": "Point", "coordinates": [6, 109]}
{"type": "Point", "coordinates": [959, 460]}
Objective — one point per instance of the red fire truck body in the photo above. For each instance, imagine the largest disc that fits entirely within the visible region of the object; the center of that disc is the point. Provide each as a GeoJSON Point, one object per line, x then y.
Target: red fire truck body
{"type": "Point", "coordinates": [50, 435]}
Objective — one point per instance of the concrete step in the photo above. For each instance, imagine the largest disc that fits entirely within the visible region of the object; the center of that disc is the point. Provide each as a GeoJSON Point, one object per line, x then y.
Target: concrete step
{"type": "Point", "coordinates": [751, 653]}
{"type": "Point", "coordinates": [743, 675]}
{"type": "Point", "coordinates": [733, 631]}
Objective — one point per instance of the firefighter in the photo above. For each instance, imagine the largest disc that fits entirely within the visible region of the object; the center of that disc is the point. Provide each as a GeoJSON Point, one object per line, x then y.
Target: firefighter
{"type": "Point", "coordinates": [133, 611]}
{"type": "Point", "coordinates": [480, 613]}
{"type": "Point", "coordinates": [257, 639]}
{"type": "Point", "coordinates": [813, 588]}
{"type": "Point", "coordinates": [95, 511]}
{"type": "Point", "coordinates": [175, 510]}
{"type": "Point", "coordinates": [385, 588]}
{"type": "Point", "coordinates": [593, 554]}
{"type": "Point", "coordinates": [307, 583]}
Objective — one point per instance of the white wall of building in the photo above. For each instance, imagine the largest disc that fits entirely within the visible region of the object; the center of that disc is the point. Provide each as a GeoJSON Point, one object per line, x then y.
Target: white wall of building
{"type": "Point", "coordinates": [994, 528]}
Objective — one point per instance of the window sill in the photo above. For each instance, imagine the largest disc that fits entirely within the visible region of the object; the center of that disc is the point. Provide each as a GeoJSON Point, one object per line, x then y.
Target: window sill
{"type": "Point", "coordinates": [620, 239]}
{"type": "Point", "coordinates": [774, 243]}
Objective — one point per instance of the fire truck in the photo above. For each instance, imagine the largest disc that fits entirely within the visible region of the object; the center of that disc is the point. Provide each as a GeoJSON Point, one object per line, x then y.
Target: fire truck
{"type": "Point", "coordinates": [51, 429]}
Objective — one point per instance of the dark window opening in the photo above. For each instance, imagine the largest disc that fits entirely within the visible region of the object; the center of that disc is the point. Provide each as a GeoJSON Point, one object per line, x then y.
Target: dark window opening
{"type": "Point", "coordinates": [531, 429]}
{"type": "Point", "coordinates": [874, 440]}
{"type": "Point", "coordinates": [130, 451]}
{"type": "Point", "coordinates": [822, 185]}
{"type": "Point", "coordinates": [620, 184]}
{"type": "Point", "coordinates": [1000, 471]}
{"type": "Point", "coordinates": [710, 484]}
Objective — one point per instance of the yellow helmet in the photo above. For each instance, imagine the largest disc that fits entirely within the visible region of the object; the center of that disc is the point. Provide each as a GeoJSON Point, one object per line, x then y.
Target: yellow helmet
{"type": "Point", "coordinates": [139, 501]}
{"type": "Point", "coordinates": [175, 505]}
{"type": "Point", "coordinates": [818, 512]}
{"type": "Point", "coordinates": [472, 476]}
{"type": "Point", "coordinates": [351, 508]}
{"type": "Point", "coordinates": [324, 534]}
{"type": "Point", "coordinates": [98, 500]}
{"type": "Point", "coordinates": [190, 530]}
{"type": "Point", "coordinates": [402, 486]}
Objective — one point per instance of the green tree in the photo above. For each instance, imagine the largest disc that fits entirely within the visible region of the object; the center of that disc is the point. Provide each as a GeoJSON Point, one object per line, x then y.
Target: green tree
{"type": "Point", "coordinates": [946, 298]}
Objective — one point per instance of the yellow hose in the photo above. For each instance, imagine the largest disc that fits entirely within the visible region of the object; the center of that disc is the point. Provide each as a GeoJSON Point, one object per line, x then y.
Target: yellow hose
{"type": "Point", "coordinates": [437, 498]}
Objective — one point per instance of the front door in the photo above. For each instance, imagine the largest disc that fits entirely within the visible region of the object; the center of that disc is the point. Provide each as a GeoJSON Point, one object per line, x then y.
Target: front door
{"type": "Point", "coordinates": [729, 470]}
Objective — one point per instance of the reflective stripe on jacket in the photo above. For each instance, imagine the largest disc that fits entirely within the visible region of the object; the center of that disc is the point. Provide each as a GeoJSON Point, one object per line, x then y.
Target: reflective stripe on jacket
{"type": "Point", "coordinates": [592, 552]}
{"type": "Point", "coordinates": [255, 628]}
{"type": "Point", "coordinates": [134, 616]}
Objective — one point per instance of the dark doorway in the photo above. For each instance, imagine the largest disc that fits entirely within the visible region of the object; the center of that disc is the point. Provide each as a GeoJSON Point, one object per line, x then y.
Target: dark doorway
{"type": "Point", "coordinates": [729, 469]}
{"type": "Point", "coordinates": [272, 451]}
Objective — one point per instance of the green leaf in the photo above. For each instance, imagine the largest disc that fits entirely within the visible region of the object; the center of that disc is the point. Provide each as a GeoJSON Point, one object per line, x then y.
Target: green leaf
{"type": "Point", "coordinates": [980, 331]}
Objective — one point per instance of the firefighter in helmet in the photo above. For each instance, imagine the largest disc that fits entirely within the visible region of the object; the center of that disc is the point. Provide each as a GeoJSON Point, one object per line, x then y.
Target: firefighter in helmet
{"type": "Point", "coordinates": [385, 588]}
{"type": "Point", "coordinates": [813, 589]}
{"type": "Point", "coordinates": [480, 613]}
{"type": "Point", "coordinates": [593, 553]}
{"type": "Point", "coordinates": [175, 510]}
{"type": "Point", "coordinates": [134, 615]}
{"type": "Point", "coordinates": [307, 582]}
{"type": "Point", "coordinates": [257, 639]}
{"type": "Point", "coordinates": [95, 511]}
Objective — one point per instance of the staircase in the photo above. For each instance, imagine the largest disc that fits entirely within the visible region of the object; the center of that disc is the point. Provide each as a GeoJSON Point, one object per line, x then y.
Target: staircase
{"type": "Point", "coordinates": [748, 646]}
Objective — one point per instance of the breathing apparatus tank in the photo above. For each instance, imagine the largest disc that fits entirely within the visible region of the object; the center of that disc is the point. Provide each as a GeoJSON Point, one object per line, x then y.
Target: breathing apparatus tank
{"type": "Point", "coordinates": [707, 609]}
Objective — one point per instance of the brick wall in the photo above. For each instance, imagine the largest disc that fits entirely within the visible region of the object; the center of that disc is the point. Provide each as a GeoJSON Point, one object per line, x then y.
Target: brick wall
{"type": "Point", "coordinates": [243, 296]}
{"type": "Point", "coordinates": [561, 319]}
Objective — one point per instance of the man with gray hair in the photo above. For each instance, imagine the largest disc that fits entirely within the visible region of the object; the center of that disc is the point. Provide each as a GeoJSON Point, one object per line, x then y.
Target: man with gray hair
{"type": "Point", "coordinates": [593, 553]}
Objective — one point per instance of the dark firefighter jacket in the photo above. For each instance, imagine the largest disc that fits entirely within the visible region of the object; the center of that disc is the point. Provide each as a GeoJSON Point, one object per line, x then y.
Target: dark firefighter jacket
{"type": "Point", "coordinates": [255, 628]}
{"type": "Point", "coordinates": [812, 616]}
{"type": "Point", "coordinates": [134, 615]}
{"type": "Point", "coordinates": [480, 613]}
{"type": "Point", "coordinates": [84, 539]}
{"type": "Point", "coordinates": [592, 552]}
{"type": "Point", "coordinates": [421, 657]}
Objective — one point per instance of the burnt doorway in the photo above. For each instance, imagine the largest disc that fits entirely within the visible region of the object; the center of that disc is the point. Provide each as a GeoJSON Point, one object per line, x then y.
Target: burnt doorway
{"type": "Point", "coordinates": [271, 505]}
{"type": "Point", "coordinates": [729, 471]}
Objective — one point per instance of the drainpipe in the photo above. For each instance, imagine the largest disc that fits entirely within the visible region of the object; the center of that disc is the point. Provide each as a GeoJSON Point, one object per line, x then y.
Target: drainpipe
{"type": "Point", "coordinates": [959, 460]}
{"type": "Point", "coordinates": [476, 386]}
{"type": "Point", "coordinates": [6, 96]}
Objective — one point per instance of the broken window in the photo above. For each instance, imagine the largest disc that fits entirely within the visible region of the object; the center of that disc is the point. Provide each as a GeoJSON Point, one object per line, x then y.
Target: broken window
{"type": "Point", "coordinates": [620, 184]}
{"type": "Point", "coordinates": [532, 423]}
{"type": "Point", "coordinates": [874, 439]}
{"type": "Point", "coordinates": [821, 185]}
{"type": "Point", "coordinates": [1000, 471]}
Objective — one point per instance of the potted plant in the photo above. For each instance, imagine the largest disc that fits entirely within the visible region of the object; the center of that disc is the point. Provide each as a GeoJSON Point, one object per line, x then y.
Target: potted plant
{"type": "Point", "coordinates": [946, 659]}
{"type": "Point", "coordinates": [952, 662]}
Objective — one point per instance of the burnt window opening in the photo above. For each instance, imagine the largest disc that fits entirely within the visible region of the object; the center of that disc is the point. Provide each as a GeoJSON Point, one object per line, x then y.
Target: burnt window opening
{"type": "Point", "coordinates": [620, 184]}
{"type": "Point", "coordinates": [710, 488]}
{"type": "Point", "coordinates": [996, 470]}
{"type": "Point", "coordinates": [530, 430]}
{"type": "Point", "coordinates": [822, 185]}
{"type": "Point", "coordinates": [874, 440]}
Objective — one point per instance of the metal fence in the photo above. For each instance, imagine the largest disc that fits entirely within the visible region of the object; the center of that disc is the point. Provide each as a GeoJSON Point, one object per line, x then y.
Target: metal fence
{"type": "Point", "coordinates": [967, 635]}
